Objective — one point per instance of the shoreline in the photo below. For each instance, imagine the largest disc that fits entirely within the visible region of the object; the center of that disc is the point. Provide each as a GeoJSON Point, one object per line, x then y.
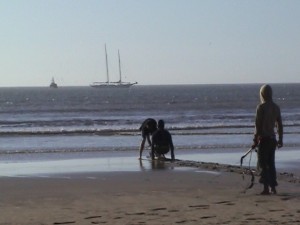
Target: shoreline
{"type": "Point", "coordinates": [49, 164]}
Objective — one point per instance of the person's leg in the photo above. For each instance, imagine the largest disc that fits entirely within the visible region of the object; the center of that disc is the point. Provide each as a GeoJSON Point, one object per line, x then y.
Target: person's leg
{"type": "Point", "coordinates": [262, 161]}
{"type": "Point", "coordinates": [272, 168]}
{"type": "Point", "coordinates": [153, 153]}
{"type": "Point", "coordinates": [142, 147]}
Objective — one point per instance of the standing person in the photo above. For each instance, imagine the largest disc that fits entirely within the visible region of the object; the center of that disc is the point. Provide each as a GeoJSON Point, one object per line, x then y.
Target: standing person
{"type": "Point", "coordinates": [162, 142]}
{"type": "Point", "coordinates": [148, 127]}
{"type": "Point", "coordinates": [268, 117]}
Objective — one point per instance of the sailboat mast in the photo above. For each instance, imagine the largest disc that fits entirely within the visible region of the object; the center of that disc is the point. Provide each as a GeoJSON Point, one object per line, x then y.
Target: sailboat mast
{"type": "Point", "coordinates": [120, 67]}
{"type": "Point", "coordinates": [107, 75]}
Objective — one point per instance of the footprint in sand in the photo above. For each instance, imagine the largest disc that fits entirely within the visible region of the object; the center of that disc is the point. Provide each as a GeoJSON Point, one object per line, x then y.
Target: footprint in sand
{"type": "Point", "coordinates": [118, 218]}
{"type": "Point", "coordinates": [158, 209]}
{"type": "Point", "coordinates": [207, 217]}
{"type": "Point", "coordinates": [261, 201]}
{"type": "Point", "coordinates": [255, 219]}
{"type": "Point", "coordinates": [199, 206]}
{"type": "Point", "coordinates": [60, 223]}
{"type": "Point", "coordinates": [92, 217]}
{"type": "Point", "coordinates": [225, 203]}
{"type": "Point", "coordinates": [287, 215]}
{"type": "Point", "coordinates": [226, 222]}
{"type": "Point", "coordinates": [276, 210]}
{"type": "Point", "coordinates": [137, 214]}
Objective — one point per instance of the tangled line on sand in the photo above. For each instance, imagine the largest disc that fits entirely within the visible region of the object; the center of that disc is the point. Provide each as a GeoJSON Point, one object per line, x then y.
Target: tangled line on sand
{"type": "Point", "coordinates": [289, 177]}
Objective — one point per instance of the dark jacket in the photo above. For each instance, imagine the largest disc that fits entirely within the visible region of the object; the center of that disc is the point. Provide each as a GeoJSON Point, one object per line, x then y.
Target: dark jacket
{"type": "Point", "coordinates": [162, 142]}
{"type": "Point", "coordinates": [148, 127]}
{"type": "Point", "coordinates": [268, 116]}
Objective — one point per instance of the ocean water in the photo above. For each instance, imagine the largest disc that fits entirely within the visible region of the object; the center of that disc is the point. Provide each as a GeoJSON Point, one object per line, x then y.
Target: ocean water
{"type": "Point", "coordinates": [83, 120]}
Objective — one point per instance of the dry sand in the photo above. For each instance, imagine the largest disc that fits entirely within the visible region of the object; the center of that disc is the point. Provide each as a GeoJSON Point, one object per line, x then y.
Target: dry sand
{"type": "Point", "coordinates": [161, 196]}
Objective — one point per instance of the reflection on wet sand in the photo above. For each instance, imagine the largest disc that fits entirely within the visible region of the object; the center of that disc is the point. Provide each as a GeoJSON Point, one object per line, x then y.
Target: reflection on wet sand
{"type": "Point", "coordinates": [155, 165]}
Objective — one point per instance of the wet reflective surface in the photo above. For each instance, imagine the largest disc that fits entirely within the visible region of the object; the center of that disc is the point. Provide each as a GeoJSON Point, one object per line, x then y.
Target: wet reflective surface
{"type": "Point", "coordinates": [286, 161]}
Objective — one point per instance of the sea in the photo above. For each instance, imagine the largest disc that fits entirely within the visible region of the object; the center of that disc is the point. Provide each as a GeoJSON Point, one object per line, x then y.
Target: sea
{"type": "Point", "coordinates": [206, 121]}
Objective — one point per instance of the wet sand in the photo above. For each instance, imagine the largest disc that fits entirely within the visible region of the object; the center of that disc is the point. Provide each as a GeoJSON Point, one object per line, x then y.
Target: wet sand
{"type": "Point", "coordinates": [184, 192]}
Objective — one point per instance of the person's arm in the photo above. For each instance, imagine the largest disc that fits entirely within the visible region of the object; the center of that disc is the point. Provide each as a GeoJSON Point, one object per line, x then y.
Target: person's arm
{"type": "Point", "coordinates": [258, 126]}
{"type": "Point", "coordinates": [171, 147]}
{"type": "Point", "coordinates": [279, 130]}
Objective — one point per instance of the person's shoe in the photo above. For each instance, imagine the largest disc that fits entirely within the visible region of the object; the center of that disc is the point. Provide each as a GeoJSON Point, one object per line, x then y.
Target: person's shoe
{"type": "Point", "coordinates": [273, 191]}
{"type": "Point", "coordinates": [265, 192]}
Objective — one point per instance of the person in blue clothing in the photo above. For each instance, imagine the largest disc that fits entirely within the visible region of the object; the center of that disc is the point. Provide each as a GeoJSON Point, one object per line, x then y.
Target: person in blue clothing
{"type": "Point", "coordinates": [148, 127]}
{"type": "Point", "coordinates": [162, 142]}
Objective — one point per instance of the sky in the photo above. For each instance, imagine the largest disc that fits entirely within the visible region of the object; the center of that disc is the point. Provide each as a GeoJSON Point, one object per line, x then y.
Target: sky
{"type": "Point", "coordinates": [160, 41]}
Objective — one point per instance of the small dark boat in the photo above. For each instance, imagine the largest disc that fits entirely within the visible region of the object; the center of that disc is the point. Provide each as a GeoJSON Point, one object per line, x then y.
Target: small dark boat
{"type": "Point", "coordinates": [53, 84]}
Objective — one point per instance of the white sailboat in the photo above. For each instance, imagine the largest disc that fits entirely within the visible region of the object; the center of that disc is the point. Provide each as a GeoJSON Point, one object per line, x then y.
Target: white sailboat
{"type": "Point", "coordinates": [112, 84]}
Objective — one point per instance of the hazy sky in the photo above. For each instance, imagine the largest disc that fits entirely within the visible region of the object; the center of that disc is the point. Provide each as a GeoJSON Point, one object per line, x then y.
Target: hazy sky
{"type": "Point", "coordinates": [160, 41]}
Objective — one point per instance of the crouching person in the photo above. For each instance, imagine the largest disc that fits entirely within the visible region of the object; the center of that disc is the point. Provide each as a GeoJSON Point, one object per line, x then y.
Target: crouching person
{"type": "Point", "coordinates": [162, 142]}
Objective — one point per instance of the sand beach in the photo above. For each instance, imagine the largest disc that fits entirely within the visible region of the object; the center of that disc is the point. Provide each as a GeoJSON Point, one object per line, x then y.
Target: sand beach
{"type": "Point", "coordinates": [182, 192]}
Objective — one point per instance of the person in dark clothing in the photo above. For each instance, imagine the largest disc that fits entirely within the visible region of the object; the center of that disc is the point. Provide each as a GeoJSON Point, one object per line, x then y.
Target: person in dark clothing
{"type": "Point", "coordinates": [162, 142]}
{"type": "Point", "coordinates": [268, 117]}
{"type": "Point", "coordinates": [148, 127]}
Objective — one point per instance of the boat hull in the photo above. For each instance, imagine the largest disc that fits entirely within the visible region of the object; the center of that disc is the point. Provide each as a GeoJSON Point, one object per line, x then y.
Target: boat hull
{"type": "Point", "coordinates": [112, 85]}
